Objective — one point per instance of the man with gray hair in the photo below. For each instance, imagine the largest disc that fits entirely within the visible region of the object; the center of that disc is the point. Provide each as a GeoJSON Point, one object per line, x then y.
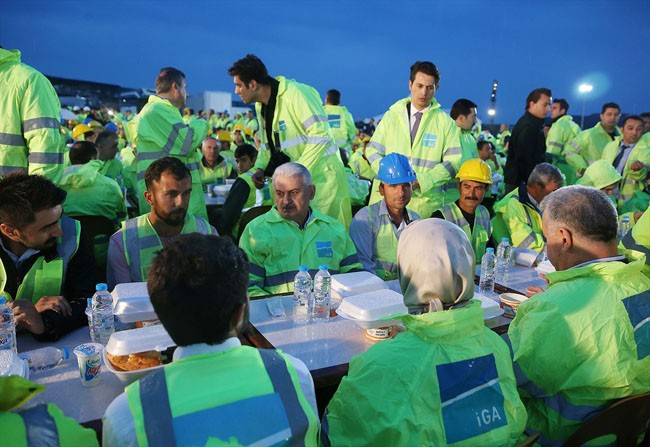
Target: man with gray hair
{"type": "Point", "coordinates": [585, 342]}
{"type": "Point", "coordinates": [517, 215]}
{"type": "Point", "coordinates": [292, 234]}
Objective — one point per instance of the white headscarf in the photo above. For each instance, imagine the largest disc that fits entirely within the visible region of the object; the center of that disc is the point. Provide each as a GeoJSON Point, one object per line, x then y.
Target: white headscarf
{"type": "Point", "coordinates": [436, 263]}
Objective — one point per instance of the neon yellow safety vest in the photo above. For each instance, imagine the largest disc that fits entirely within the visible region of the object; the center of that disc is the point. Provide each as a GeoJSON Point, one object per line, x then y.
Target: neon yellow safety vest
{"type": "Point", "coordinates": [384, 237]}
{"type": "Point", "coordinates": [30, 140]}
{"type": "Point", "coordinates": [633, 181]}
{"type": "Point", "coordinates": [480, 234]}
{"type": "Point", "coordinates": [302, 133]}
{"type": "Point", "coordinates": [435, 153]}
{"type": "Point", "coordinates": [48, 278]}
{"type": "Point", "coordinates": [519, 222]}
{"type": "Point", "coordinates": [600, 314]}
{"type": "Point", "coordinates": [276, 247]}
{"type": "Point", "coordinates": [561, 132]}
{"type": "Point", "coordinates": [141, 242]}
{"type": "Point", "coordinates": [587, 146]}
{"type": "Point", "coordinates": [217, 174]}
{"type": "Point", "coordinates": [342, 125]}
{"type": "Point", "coordinates": [209, 399]}
{"type": "Point", "coordinates": [256, 197]}
{"type": "Point", "coordinates": [158, 131]}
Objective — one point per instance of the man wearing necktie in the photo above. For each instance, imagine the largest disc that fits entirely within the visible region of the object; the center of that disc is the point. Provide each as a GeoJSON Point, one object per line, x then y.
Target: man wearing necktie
{"type": "Point", "coordinates": [630, 156]}
{"type": "Point", "coordinates": [418, 128]}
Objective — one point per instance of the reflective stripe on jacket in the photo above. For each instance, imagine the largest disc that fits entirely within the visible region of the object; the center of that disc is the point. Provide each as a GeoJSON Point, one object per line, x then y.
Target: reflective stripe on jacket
{"type": "Point", "coordinates": [276, 248]}
{"type": "Point", "coordinates": [342, 126]}
{"type": "Point", "coordinates": [141, 242]}
{"type": "Point", "coordinates": [210, 398]}
{"type": "Point", "coordinates": [435, 153]}
{"type": "Point", "coordinates": [480, 234]}
{"type": "Point", "coordinates": [518, 220]}
{"type": "Point", "coordinates": [47, 278]}
{"type": "Point", "coordinates": [30, 140]}
{"type": "Point", "coordinates": [159, 131]}
{"type": "Point", "coordinates": [587, 147]}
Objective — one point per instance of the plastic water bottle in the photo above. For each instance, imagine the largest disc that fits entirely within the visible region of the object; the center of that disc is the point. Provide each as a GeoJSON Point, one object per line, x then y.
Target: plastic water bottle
{"type": "Point", "coordinates": [486, 284]}
{"type": "Point", "coordinates": [623, 227]}
{"type": "Point", "coordinates": [103, 320]}
{"type": "Point", "coordinates": [322, 287]}
{"type": "Point", "coordinates": [502, 269]}
{"type": "Point", "coordinates": [45, 358]}
{"type": "Point", "coordinates": [7, 326]}
{"type": "Point", "coordinates": [302, 298]}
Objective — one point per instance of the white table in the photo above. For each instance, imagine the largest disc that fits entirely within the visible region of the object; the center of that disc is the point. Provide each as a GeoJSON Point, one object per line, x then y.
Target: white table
{"type": "Point", "coordinates": [520, 278]}
{"type": "Point", "coordinates": [63, 386]}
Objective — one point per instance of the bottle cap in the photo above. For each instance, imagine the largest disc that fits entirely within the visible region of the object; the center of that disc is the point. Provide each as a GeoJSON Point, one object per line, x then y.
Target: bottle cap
{"type": "Point", "coordinates": [505, 239]}
{"type": "Point", "coordinates": [66, 353]}
{"type": "Point", "coordinates": [303, 268]}
{"type": "Point", "coordinates": [3, 299]}
{"type": "Point", "coordinates": [489, 250]}
{"type": "Point", "coordinates": [101, 286]}
{"type": "Point", "coordinates": [323, 266]}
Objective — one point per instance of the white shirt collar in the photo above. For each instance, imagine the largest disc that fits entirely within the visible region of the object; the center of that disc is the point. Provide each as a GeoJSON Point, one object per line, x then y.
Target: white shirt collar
{"type": "Point", "coordinates": [309, 218]}
{"type": "Point", "coordinates": [203, 348]}
{"type": "Point", "coordinates": [414, 111]}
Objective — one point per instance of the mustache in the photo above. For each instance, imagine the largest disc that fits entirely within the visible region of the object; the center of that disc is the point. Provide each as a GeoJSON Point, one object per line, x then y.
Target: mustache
{"type": "Point", "coordinates": [471, 198]}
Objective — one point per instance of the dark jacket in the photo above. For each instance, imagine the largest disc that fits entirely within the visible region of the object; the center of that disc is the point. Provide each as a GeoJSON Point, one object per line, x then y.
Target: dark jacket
{"type": "Point", "coordinates": [79, 285]}
{"type": "Point", "coordinates": [527, 149]}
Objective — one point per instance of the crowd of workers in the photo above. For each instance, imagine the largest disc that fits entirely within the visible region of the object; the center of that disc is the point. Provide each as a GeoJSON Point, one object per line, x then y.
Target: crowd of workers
{"type": "Point", "coordinates": [432, 190]}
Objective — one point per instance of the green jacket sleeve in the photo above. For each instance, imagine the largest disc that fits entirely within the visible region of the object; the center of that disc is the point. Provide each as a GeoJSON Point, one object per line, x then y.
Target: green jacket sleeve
{"type": "Point", "coordinates": [352, 129]}
{"type": "Point", "coordinates": [521, 233]}
{"type": "Point", "coordinates": [257, 274]}
{"type": "Point", "coordinates": [573, 152]}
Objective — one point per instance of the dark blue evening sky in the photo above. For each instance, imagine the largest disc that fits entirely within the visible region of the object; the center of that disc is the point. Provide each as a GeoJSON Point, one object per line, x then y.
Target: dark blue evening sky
{"type": "Point", "coordinates": [364, 49]}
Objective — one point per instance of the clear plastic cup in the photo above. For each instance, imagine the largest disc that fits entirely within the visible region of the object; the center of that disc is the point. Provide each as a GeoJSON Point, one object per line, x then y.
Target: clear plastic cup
{"type": "Point", "coordinates": [89, 359]}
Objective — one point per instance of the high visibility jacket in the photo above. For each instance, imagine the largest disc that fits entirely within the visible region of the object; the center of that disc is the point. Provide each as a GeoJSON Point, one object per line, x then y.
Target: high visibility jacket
{"type": "Point", "coordinates": [276, 248]}
{"type": "Point", "coordinates": [47, 278]}
{"type": "Point", "coordinates": [633, 181]}
{"type": "Point", "coordinates": [141, 242]}
{"type": "Point", "coordinates": [501, 140]}
{"type": "Point", "coordinates": [519, 220]}
{"type": "Point", "coordinates": [446, 380]}
{"type": "Point", "coordinates": [587, 147]}
{"type": "Point", "coordinates": [638, 239]}
{"type": "Point", "coordinates": [360, 165]}
{"type": "Point", "coordinates": [639, 202]}
{"type": "Point", "coordinates": [480, 234]}
{"type": "Point", "coordinates": [129, 170]}
{"type": "Point", "coordinates": [468, 151]}
{"type": "Point", "coordinates": [342, 125]}
{"type": "Point", "coordinates": [561, 132]}
{"type": "Point", "coordinates": [209, 399]}
{"type": "Point", "coordinates": [29, 128]}
{"type": "Point", "coordinates": [252, 125]}
{"type": "Point", "coordinates": [435, 153]}
{"type": "Point", "coordinates": [358, 188]}
{"type": "Point", "coordinates": [159, 132]}
{"type": "Point", "coordinates": [92, 194]}
{"type": "Point", "coordinates": [384, 240]}
{"type": "Point", "coordinates": [216, 174]}
{"type": "Point", "coordinates": [112, 168]}
{"type": "Point", "coordinates": [599, 314]}
{"type": "Point", "coordinates": [302, 133]}
{"type": "Point", "coordinates": [41, 425]}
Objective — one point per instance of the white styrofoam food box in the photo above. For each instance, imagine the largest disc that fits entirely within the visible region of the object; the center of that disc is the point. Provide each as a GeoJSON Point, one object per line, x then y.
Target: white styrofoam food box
{"type": "Point", "coordinates": [355, 283]}
{"type": "Point", "coordinates": [150, 338]}
{"type": "Point", "coordinates": [372, 306]}
{"type": "Point", "coordinates": [491, 308]}
{"type": "Point", "coordinates": [131, 303]}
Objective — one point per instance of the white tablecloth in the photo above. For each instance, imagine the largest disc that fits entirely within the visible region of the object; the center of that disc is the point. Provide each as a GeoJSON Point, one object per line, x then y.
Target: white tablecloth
{"type": "Point", "coordinates": [63, 386]}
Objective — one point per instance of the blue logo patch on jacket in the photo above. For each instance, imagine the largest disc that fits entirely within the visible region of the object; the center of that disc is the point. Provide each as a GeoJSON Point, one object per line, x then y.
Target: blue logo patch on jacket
{"type": "Point", "coordinates": [471, 397]}
{"type": "Point", "coordinates": [324, 249]}
{"type": "Point", "coordinates": [283, 125]}
{"type": "Point", "coordinates": [334, 121]}
{"type": "Point", "coordinates": [429, 139]}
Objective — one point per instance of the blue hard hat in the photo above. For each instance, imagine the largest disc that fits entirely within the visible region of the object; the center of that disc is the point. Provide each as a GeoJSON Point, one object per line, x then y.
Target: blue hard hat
{"type": "Point", "coordinates": [111, 127]}
{"type": "Point", "coordinates": [395, 169]}
{"type": "Point", "coordinates": [89, 119]}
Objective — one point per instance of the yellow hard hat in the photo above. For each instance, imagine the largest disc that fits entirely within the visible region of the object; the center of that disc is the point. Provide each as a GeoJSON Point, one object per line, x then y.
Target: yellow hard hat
{"type": "Point", "coordinates": [95, 125]}
{"type": "Point", "coordinates": [365, 139]}
{"type": "Point", "coordinates": [223, 135]}
{"type": "Point", "coordinates": [79, 130]}
{"type": "Point", "coordinates": [248, 131]}
{"type": "Point", "coordinates": [476, 170]}
{"type": "Point", "coordinates": [238, 126]}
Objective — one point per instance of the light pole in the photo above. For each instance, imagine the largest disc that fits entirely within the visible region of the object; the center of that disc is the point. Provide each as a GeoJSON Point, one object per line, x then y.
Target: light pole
{"type": "Point", "coordinates": [493, 100]}
{"type": "Point", "coordinates": [584, 89]}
